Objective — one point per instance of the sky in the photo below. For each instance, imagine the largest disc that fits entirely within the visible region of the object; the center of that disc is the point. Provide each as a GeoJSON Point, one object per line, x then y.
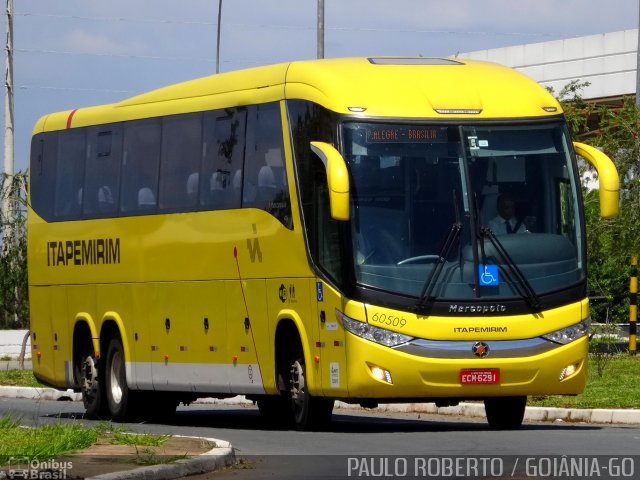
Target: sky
{"type": "Point", "coordinates": [75, 53]}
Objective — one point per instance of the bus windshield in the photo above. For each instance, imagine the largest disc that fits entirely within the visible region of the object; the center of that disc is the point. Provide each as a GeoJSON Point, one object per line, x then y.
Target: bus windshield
{"type": "Point", "coordinates": [462, 212]}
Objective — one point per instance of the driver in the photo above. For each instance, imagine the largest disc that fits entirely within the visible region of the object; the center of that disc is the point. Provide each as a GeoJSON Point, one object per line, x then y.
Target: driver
{"type": "Point", "coordinates": [506, 221]}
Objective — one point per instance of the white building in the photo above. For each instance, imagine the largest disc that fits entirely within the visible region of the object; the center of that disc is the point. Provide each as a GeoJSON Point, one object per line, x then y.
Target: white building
{"type": "Point", "coordinates": [608, 61]}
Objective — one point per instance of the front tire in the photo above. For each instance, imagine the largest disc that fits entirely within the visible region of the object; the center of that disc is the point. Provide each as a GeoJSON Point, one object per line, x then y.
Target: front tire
{"type": "Point", "coordinates": [309, 412]}
{"type": "Point", "coordinates": [505, 413]}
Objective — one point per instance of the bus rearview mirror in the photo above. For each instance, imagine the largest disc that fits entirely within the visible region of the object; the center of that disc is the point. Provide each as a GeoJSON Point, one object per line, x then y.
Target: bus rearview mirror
{"type": "Point", "coordinates": [607, 177]}
{"type": "Point", "coordinates": [337, 179]}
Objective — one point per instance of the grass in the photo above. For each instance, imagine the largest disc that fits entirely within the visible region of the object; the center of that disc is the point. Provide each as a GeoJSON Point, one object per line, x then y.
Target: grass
{"type": "Point", "coordinates": [53, 440]}
{"type": "Point", "coordinates": [120, 437]}
{"type": "Point", "coordinates": [618, 387]}
{"type": "Point", "coordinates": [44, 442]}
{"type": "Point", "coordinates": [19, 378]}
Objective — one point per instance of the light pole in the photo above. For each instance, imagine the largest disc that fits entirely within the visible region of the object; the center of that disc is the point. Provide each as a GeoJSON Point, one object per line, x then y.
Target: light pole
{"type": "Point", "coordinates": [320, 28]}
{"type": "Point", "coordinates": [8, 98]}
{"type": "Point", "coordinates": [218, 36]}
{"type": "Point", "coordinates": [8, 122]}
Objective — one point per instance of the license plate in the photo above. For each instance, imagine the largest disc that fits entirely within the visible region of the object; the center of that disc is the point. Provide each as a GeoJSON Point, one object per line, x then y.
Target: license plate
{"type": "Point", "coordinates": [480, 376]}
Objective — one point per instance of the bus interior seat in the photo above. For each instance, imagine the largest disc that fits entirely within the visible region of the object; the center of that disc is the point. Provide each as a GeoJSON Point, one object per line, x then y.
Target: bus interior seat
{"type": "Point", "coordinates": [193, 184]}
{"type": "Point", "coordinates": [106, 201]}
{"type": "Point", "coordinates": [217, 190]}
{"type": "Point", "coordinates": [237, 179]}
{"type": "Point", "coordinates": [266, 177]}
{"type": "Point", "coordinates": [216, 182]}
{"type": "Point", "coordinates": [268, 186]}
{"type": "Point", "coordinates": [146, 199]}
{"type": "Point", "coordinates": [105, 195]}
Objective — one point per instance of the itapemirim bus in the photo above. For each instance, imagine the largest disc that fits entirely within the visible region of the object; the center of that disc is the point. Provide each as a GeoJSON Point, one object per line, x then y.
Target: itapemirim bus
{"type": "Point", "coordinates": [310, 232]}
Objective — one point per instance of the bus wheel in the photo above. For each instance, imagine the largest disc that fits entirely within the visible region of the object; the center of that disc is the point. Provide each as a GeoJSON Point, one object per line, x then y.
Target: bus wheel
{"type": "Point", "coordinates": [119, 397]}
{"type": "Point", "coordinates": [92, 388]}
{"type": "Point", "coordinates": [309, 412]}
{"type": "Point", "coordinates": [505, 413]}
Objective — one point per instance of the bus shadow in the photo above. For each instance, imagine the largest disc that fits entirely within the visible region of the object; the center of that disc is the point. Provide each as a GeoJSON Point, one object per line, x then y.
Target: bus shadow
{"type": "Point", "coordinates": [356, 422]}
{"type": "Point", "coordinates": [342, 422]}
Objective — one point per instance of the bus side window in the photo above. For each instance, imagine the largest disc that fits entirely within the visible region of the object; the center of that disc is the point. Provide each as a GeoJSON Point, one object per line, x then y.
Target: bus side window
{"type": "Point", "coordinates": [140, 162]}
{"type": "Point", "coordinates": [70, 174]}
{"type": "Point", "coordinates": [265, 180]}
{"type": "Point", "coordinates": [181, 147]}
{"type": "Point", "coordinates": [102, 183]}
{"type": "Point", "coordinates": [222, 157]}
{"type": "Point", "coordinates": [44, 150]}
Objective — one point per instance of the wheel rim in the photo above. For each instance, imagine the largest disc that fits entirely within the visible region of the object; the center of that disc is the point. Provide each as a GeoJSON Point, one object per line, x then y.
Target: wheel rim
{"type": "Point", "coordinates": [298, 387]}
{"type": "Point", "coordinates": [115, 376]}
{"type": "Point", "coordinates": [89, 375]}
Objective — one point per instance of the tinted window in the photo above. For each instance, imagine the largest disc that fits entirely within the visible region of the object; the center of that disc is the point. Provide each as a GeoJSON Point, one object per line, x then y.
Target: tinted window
{"type": "Point", "coordinates": [70, 174]}
{"type": "Point", "coordinates": [265, 179]}
{"type": "Point", "coordinates": [180, 163]}
{"type": "Point", "coordinates": [140, 166]}
{"type": "Point", "coordinates": [223, 159]}
{"type": "Point", "coordinates": [221, 182]}
{"type": "Point", "coordinates": [102, 184]}
{"type": "Point", "coordinates": [44, 149]}
{"type": "Point", "coordinates": [310, 122]}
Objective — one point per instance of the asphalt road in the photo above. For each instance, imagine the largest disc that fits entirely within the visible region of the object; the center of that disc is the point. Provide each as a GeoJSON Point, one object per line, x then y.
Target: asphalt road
{"type": "Point", "coordinates": [360, 442]}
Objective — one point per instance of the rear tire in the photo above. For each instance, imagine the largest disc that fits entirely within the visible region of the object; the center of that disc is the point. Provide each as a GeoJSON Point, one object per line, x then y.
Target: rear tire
{"type": "Point", "coordinates": [90, 376]}
{"type": "Point", "coordinates": [505, 413]}
{"type": "Point", "coordinates": [120, 400]}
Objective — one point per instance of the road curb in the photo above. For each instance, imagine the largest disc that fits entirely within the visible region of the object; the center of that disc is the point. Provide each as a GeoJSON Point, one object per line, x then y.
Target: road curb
{"type": "Point", "coordinates": [533, 414]}
{"type": "Point", "coordinates": [218, 457]}
{"type": "Point", "coordinates": [39, 393]}
{"type": "Point", "coordinates": [464, 409]}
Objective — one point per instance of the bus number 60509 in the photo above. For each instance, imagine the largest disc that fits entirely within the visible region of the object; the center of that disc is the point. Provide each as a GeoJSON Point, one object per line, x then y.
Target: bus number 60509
{"type": "Point", "coordinates": [391, 320]}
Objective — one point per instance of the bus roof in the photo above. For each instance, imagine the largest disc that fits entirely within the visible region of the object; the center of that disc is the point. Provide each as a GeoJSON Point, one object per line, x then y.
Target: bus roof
{"type": "Point", "coordinates": [376, 87]}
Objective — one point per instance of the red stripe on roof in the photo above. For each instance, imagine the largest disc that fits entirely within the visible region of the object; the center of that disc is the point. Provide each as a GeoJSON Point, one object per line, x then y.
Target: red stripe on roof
{"type": "Point", "coordinates": [70, 118]}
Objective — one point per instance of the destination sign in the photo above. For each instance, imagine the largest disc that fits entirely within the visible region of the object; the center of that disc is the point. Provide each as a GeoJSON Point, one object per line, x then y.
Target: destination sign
{"type": "Point", "coordinates": [405, 134]}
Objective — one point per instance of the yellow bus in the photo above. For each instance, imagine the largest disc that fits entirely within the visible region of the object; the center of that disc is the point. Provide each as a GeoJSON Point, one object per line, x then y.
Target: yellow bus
{"type": "Point", "coordinates": [310, 232]}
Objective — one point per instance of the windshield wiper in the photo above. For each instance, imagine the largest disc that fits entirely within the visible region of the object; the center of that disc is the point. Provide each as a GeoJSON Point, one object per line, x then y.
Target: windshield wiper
{"type": "Point", "coordinates": [522, 284]}
{"type": "Point", "coordinates": [425, 295]}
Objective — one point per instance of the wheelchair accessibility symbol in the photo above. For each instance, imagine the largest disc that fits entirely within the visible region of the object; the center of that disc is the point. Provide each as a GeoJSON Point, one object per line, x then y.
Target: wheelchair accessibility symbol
{"type": "Point", "coordinates": [488, 275]}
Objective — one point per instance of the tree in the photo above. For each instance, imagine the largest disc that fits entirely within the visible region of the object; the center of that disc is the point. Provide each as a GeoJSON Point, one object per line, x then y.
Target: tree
{"type": "Point", "coordinates": [14, 292]}
{"type": "Point", "coordinates": [610, 242]}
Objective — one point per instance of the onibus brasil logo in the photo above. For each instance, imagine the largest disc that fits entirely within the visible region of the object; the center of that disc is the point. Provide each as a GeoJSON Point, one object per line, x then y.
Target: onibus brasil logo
{"type": "Point", "coordinates": [31, 468]}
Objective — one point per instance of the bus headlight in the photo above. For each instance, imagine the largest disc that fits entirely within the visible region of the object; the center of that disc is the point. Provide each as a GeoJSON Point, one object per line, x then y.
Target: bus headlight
{"type": "Point", "coordinates": [569, 334]}
{"type": "Point", "coordinates": [371, 333]}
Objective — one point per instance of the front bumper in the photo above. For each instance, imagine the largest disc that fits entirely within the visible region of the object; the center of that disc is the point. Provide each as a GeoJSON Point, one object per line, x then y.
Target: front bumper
{"type": "Point", "coordinates": [532, 371]}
